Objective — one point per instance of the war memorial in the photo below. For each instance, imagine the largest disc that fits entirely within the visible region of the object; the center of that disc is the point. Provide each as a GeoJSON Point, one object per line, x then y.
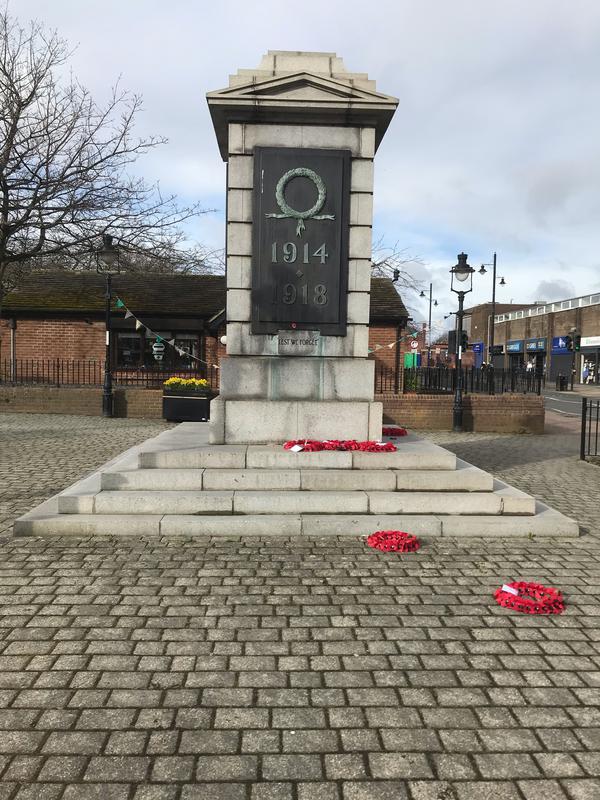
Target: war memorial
{"type": "Point", "coordinates": [299, 135]}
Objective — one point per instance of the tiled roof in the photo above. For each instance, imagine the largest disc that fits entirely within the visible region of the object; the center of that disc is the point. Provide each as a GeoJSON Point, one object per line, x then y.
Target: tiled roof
{"type": "Point", "coordinates": [200, 296]}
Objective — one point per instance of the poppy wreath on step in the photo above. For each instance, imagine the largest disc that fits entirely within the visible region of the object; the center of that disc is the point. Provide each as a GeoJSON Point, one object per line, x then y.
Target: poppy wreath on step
{"type": "Point", "coordinates": [394, 541]}
{"type": "Point", "coordinates": [394, 431]}
{"type": "Point", "coordinates": [530, 598]}
{"type": "Point", "coordinates": [314, 446]}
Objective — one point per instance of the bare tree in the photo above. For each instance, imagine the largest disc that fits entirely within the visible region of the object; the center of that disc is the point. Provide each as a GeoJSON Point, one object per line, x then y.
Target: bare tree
{"type": "Point", "coordinates": [392, 261]}
{"type": "Point", "coordinates": [64, 164]}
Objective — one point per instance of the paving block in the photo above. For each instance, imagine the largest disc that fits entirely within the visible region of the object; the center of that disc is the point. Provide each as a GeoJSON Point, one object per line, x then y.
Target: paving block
{"type": "Point", "coordinates": [464, 478]}
{"type": "Point", "coordinates": [546, 522]}
{"type": "Point", "coordinates": [163, 503]}
{"type": "Point", "coordinates": [409, 456]}
{"type": "Point", "coordinates": [266, 457]}
{"type": "Point", "coordinates": [152, 480]}
{"type": "Point", "coordinates": [300, 502]}
{"type": "Point", "coordinates": [220, 456]}
{"type": "Point", "coordinates": [364, 525]}
{"type": "Point", "coordinates": [251, 479]}
{"type": "Point", "coordinates": [514, 501]}
{"type": "Point", "coordinates": [88, 525]}
{"type": "Point", "coordinates": [434, 503]}
{"type": "Point", "coordinates": [248, 525]}
{"type": "Point", "coordinates": [347, 480]}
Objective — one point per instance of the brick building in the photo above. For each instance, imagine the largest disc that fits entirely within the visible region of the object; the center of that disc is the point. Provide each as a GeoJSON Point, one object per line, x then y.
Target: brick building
{"type": "Point", "coordinates": [478, 324]}
{"type": "Point", "coordinates": [538, 334]}
{"type": "Point", "coordinates": [60, 315]}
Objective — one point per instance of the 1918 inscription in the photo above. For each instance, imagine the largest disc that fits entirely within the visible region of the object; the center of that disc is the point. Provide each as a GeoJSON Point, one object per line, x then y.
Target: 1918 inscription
{"type": "Point", "coordinates": [300, 240]}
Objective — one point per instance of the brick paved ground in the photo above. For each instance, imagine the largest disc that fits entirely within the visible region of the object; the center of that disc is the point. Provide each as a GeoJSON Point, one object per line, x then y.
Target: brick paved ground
{"type": "Point", "coordinates": [178, 669]}
{"type": "Point", "coordinates": [42, 454]}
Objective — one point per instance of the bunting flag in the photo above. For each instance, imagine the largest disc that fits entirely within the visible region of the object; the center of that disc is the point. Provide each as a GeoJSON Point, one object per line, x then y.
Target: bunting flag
{"type": "Point", "coordinates": [139, 325]}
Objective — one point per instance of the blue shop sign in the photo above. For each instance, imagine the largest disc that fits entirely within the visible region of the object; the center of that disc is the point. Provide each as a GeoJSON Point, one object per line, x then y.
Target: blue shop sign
{"type": "Point", "coordinates": [477, 347]}
{"type": "Point", "coordinates": [559, 345]}
{"type": "Point", "coordinates": [536, 345]}
{"type": "Point", "coordinates": [514, 346]}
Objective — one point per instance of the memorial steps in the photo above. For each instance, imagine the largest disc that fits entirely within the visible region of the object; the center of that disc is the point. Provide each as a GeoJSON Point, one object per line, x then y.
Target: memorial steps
{"type": "Point", "coordinates": [170, 487]}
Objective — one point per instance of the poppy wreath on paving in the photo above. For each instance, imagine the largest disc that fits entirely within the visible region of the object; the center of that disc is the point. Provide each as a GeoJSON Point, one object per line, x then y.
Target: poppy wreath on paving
{"type": "Point", "coordinates": [394, 541]}
{"type": "Point", "coordinates": [394, 430]}
{"type": "Point", "coordinates": [531, 598]}
{"type": "Point", "coordinates": [312, 445]}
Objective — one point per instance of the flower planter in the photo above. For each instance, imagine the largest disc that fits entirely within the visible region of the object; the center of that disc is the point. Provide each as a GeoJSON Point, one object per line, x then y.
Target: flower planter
{"type": "Point", "coordinates": [186, 405]}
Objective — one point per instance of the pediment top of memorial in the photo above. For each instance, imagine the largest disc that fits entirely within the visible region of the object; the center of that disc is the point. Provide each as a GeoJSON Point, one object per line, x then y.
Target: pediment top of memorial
{"type": "Point", "coordinates": [305, 87]}
{"type": "Point", "coordinates": [300, 88]}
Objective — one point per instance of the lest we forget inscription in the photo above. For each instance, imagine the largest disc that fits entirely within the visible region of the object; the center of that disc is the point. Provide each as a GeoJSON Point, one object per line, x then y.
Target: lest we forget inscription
{"type": "Point", "coordinates": [300, 240]}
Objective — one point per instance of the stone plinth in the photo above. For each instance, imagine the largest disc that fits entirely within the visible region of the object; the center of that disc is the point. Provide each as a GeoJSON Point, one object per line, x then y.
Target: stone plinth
{"type": "Point", "coordinates": [272, 388]}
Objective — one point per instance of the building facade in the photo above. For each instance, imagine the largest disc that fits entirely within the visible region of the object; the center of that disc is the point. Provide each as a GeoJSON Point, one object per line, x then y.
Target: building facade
{"type": "Point", "coordinates": [537, 335]}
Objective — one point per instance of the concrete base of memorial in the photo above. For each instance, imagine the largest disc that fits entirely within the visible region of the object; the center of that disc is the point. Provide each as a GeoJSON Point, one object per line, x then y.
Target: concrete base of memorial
{"type": "Point", "coordinates": [174, 485]}
{"type": "Point", "coordinates": [266, 421]}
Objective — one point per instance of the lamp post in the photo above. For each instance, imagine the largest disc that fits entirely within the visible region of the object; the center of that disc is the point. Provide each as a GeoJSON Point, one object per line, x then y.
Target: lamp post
{"type": "Point", "coordinates": [108, 264]}
{"type": "Point", "coordinates": [482, 271]}
{"type": "Point", "coordinates": [435, 302]}
{"type": "Point", "coordinates": [461, 273]}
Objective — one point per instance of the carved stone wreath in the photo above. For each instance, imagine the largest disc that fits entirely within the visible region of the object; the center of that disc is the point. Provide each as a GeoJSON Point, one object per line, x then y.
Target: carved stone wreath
{"type": "Point", "coordinates": [288, 211]}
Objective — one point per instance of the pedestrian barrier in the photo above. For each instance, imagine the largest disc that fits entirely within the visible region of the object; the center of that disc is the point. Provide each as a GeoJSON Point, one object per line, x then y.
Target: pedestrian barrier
{"type": "Point", "coordinates": [590, 429]}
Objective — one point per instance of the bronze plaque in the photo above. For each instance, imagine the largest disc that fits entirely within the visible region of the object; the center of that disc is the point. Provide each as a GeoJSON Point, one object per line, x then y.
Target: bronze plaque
{"type": "Point", "coordinates": [300, 240]}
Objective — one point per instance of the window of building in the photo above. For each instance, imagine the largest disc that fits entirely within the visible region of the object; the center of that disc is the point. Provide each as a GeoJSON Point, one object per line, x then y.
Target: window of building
{"type": "Point", "coordinates": [129, 350]}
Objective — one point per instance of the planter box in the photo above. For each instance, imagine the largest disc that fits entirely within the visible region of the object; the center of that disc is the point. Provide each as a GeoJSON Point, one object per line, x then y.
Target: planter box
{"type": "Point", "coordinates": [186, 405]}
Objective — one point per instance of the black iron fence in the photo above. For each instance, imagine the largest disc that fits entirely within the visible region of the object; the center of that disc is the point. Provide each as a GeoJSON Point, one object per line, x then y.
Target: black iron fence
{"type": "Point", "coordinates": [442, 380]}
{"type": "Point", "coordinates": [590, 428]}
{"type": "Point", "coordinates": [73, 372]}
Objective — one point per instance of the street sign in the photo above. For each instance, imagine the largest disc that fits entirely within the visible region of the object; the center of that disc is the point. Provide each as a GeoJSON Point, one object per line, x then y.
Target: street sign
{"type": "Point", "coordinates": [414, 344]}
{"type": "Point", "coordinates": [158, 347]}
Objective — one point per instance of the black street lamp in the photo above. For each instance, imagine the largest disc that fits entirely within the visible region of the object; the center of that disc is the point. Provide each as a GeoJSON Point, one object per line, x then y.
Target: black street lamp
{"type": "Point", "coordinates": [502, 282]}
{"type": "Point", "coordinates": [462, 276]}
{"type": "Point", "coordinates": [435, 302]}
{"type": "Point", "coordinates": [108, 263]}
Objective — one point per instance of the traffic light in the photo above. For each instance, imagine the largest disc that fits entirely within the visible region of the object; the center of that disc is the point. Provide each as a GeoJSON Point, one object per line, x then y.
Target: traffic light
{"type": "Point", "coordinates": [577, 342]}
{"type": "Point", "coordinates": [464, 340]}
{"type": "Point", "coordinates": [569, 342]}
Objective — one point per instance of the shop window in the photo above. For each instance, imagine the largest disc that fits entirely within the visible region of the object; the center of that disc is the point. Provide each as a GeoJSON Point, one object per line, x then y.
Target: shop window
{"type": "Point", "coordinates": [129, 350]}
{"type": "Point", "coordinates": [191, 344]}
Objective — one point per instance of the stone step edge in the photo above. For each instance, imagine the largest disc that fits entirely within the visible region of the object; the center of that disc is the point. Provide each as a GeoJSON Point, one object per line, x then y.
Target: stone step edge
{"type": "Point", "coordinates": [512, 502]}
{"type": "Point", "coordinates": [472, 479]}
{"type": "Point", "coordinates": [546, 523]}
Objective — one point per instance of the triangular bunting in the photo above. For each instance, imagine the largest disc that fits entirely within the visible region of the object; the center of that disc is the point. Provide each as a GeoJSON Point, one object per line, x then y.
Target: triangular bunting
{"type": "Point", "coordinates": [128, 314]}
{"type": "Point", "coordinates": [119, 303]}
{"type": "Point", "coordinates": [138, 325]}
{"type": "Point", "coordinates": [171, 342]}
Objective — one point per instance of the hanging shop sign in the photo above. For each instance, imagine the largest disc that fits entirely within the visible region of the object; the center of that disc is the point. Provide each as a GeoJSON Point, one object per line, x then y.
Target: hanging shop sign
{"type": "Point", "coordinates": [300, 240]}
{"type": "Point", "coordinates": [514, 346]}
{"type": "Point", "coordinates": [536, 345]}
{"type": "Point", "coordinates": [559, 345]}
{"type": "Point", "coordinates": [590, 341]}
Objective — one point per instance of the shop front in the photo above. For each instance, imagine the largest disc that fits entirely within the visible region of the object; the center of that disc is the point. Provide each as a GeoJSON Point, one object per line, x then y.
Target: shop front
{"type": "Point", "coordinates": [536, 354]}
{"type": "Point", "coordinates": [590, 360]}
{"type": "Point", "coordinates": [561, 359]}
{"type": "Point", "coordinates": [477, 348]}
{"type": "Point", "coordinates": [515, 351]}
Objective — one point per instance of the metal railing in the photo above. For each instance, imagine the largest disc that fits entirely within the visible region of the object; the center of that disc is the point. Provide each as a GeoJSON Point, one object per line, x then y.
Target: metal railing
{"type": "Point", "coordinates": [442, 380]}
{"type": "Point", "coordinates": [73, 372]}
{"type": "Point", "coordinates": [590, 429]}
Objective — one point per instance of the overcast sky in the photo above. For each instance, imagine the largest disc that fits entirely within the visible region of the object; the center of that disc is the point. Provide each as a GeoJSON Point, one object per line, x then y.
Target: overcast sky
{"type": "Point", "coordinates": [495, 144]}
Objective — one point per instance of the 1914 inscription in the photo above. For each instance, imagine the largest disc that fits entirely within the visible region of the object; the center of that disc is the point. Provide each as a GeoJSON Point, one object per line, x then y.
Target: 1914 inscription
{"type": "Point", "coordinates": [300, 240]}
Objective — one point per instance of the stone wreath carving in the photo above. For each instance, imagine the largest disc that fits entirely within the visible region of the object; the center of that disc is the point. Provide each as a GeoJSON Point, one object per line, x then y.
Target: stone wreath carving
{"type": "Point", "coordinates": [311, 213]}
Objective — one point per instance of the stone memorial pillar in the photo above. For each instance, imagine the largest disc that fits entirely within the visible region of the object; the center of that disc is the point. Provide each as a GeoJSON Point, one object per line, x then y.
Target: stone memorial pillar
{"type": "Point", "coordinates": [299, 135]}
